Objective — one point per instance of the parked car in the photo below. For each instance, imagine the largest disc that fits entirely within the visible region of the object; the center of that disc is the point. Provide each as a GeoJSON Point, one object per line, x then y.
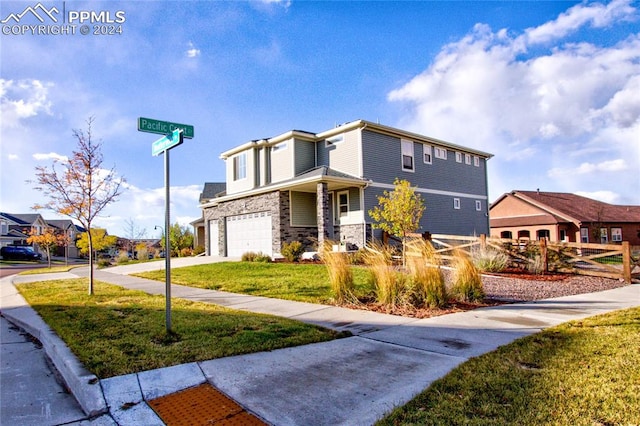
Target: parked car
{"type": "Point", "coordinates": [19, 253]}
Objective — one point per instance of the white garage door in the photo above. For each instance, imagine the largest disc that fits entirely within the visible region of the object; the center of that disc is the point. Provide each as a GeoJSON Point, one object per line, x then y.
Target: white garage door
{"type": "Point", "coordinates": [249, 232]}
{"type": "Point", "coordinates": [213, 238]}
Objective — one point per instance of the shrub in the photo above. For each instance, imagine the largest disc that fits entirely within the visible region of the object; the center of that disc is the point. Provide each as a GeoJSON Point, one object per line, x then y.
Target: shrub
{"type": "Point", "coordinates": [123, 257]}
{"type": "Point", "coordinates": [251, 256]}
{"type": "Point", "coordinates": [427, 282]}
{"type": "Point", "coordinates": [104, 263]}
{"type": "Point", "coordinates": [186, 252]}
{"type": "Point", "coordinates": [248, 256]}
{"type": "Point", "coordinates": [388, 287]}
{"type": "Point", "coordinates": [292, 251]}
{"type": "Point", "coordinates": [467, 283]}
{"type": "Point", "coordinates": [142, 253]}
{"type": "Point", "coordinates": [262, 258]}
{"type": "Point", "coordinates": [340, 274]}
{"type": "Point", "coordinates": [489, 260]}
{"type": "Point", "coordinates": [198, 250]}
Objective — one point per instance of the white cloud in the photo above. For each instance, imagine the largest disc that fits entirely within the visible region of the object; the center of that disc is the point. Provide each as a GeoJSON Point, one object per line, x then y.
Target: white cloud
{"type": "Point", "coordinates": [568, 111]}
{"type": "Point", "coordinates": [50, 156]}
{"type": "Point", "coordinates": [12, 157]}
{"type": "Point", "coordinates": [595, 14]}
{"type": "Point", "coordinates": [604, 196]}
{"type": "Point", "coordinates": [20, 99]}
{"type": "Point", "coordinates": [146, 207]}
{"type": "Point", "coordinates": [192, 51]}
{"type": "Point", "coordinates": [586, 168]}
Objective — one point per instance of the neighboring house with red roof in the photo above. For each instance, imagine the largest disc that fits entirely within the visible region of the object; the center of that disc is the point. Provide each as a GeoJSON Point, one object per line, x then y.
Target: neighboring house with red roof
{"type": "Point", "coordinates": [563, 217]}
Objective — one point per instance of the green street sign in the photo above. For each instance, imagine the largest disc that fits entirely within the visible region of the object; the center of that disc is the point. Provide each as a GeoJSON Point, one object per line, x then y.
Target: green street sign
{"type": "Point", "coordinates": [167, 142]}
{"type": "Point", "coordinates": [151, 125]}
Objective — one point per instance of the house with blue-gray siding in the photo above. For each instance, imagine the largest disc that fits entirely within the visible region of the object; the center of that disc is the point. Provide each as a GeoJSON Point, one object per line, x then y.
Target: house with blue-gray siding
{"type": "Point", "coordinates": [312, 187]}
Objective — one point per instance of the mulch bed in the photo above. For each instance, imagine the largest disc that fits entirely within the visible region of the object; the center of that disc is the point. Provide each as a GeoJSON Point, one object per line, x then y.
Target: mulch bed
{"type": "Point", "coordinates": [510, 286]}
{"type": "Point", "coordinates": [525, 275]}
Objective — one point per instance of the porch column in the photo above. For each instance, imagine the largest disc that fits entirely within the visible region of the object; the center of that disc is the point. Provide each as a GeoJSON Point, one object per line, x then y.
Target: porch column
{"type": "Point", "coordinates": [322, 209]}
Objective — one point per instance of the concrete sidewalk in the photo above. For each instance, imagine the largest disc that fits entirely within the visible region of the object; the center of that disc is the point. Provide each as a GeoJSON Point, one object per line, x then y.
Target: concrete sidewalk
{"type": "Point", "coordinates": [354, 380]}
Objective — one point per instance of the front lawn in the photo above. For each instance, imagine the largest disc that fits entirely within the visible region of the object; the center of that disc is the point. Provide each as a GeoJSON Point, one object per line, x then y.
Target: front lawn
{"type": "Point", "coordinates": [48, 270]}
{"type": "Point", "coordinates": [118, 331]}
{"type": "Point", "coordinates": [578, 373]}
{"type": "Point", "coordinates": [301, 282]}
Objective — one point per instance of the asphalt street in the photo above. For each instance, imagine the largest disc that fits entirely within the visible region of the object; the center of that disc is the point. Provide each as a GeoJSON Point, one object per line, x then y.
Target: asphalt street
{"type": "Point", "coordinates": [33, 395]}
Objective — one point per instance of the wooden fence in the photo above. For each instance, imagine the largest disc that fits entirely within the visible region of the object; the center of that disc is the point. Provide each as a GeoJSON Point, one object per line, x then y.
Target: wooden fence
{"type": "Point", "coordinates": [602, 260]}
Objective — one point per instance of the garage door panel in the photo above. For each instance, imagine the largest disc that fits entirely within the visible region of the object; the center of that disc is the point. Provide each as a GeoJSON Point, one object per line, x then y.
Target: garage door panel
{"type": "Point", "coordinates": [249, 232]}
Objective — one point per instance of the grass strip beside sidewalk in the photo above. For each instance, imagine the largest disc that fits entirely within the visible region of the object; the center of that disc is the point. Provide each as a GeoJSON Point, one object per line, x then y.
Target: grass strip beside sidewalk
{"type": "Point", "coordinates": [300, 282]}
{"type": "Point", "coordinates": [119, 331]}
{"type": "Point", "coordinates": [578, 373]}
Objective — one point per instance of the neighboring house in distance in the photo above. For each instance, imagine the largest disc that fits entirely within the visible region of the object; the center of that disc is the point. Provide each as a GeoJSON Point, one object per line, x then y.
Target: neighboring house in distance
{"type": "Point", "coordinates": [15, 229]}
{"type": "Point", "coordinates": [72, 231]}
{"type": "Point", "coordinates": [563, 217]}
{"type": "Point", "coordinates": [308, 187]}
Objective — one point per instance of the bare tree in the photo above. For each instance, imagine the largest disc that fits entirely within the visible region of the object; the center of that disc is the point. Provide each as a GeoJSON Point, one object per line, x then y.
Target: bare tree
{"type": "Point", "coordinates": [81, 189]}
{"type": "Point", "coordinates": [132, 232]}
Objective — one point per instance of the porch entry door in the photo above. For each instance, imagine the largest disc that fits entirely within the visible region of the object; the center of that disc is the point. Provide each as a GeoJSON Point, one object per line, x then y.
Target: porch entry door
{"type": "Point", "coordinates": [249, 232]}
{"type": "Point", "coordinates": [214, 249]}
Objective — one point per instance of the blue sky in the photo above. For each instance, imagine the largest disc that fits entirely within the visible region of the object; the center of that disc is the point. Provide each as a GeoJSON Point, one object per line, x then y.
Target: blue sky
{"type": "Point", "coordinates": [552, 89]}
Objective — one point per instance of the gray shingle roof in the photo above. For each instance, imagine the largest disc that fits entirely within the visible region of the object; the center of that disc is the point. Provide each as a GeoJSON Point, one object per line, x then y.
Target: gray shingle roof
{"type": "Point", "coordinates": [212, 190]}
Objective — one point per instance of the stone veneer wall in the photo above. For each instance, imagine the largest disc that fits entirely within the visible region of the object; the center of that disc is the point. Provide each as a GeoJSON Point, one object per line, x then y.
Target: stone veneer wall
{"type": "Point", "coordinates": [357, 234]}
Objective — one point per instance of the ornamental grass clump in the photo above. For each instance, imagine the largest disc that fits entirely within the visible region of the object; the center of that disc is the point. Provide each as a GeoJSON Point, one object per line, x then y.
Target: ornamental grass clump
{"type": "Point", "coordinates": [428, 285]}
{"type": "Point", "coordinates": [340, 275]}
{"type": "Point", "coordinates": [386, 282]}
{"type": "Point", "coordinates": [467, 283]}
{"type": "Point", "coordinates": [489, 260]}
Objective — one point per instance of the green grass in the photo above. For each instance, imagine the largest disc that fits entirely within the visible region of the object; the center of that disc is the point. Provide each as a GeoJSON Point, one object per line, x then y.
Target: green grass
{"type": "Point", "coordinates": [119, 331]}
{"type": "Point", "coordinates": [49, 270]}
{"type": "Point", "coordinates": [301, 282]}
{"type": "Point", "coordinates": [579, 373]}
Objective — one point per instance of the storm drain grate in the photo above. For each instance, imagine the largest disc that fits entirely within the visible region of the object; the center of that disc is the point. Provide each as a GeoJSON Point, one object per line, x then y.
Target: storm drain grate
{"type": "Point", "coordinates": [201, 405]}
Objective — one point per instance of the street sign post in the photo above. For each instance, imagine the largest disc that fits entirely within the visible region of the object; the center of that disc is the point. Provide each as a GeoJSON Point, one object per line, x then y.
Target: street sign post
{"type": "Point", "coordinates": [151, 125]}
{"type": "Point", "coordinates": [174, 134]}
{"type": "Point", "coordinates": [167, 142]}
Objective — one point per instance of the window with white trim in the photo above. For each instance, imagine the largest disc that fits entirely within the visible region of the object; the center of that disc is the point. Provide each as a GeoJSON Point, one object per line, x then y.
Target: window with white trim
{"type": "Point", "coordinates": [343, 203]}
{"type": "Point", "coordinates": [407, 155]}
{"type": "Point", "coordinates": [478, 205]}
{"type": "Point", "coordinates": [467, 159]}
{"type": "Point", "coordinates": [458, 157]}
{"type": "Point", "coordinates": [616, 234]}
{"type": "Point", "coordinates": [240, 166]}
{"type": "Point", "coordinates": [584, 235]}
{"type": "Point", "coordinates": [476, 161]}
{"type": "Point", "coordinates": [456, 203]}
{"type": "Point", "coordinates": [441, 153]}
{"type": "Point", "coordinates": [426, 154]}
